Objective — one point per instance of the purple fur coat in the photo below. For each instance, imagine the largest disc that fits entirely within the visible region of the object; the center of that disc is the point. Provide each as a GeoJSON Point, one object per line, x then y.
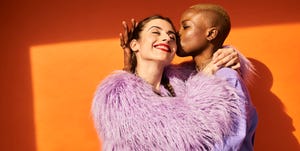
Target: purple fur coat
{"type": "Point", "coordinates": [128, 115]}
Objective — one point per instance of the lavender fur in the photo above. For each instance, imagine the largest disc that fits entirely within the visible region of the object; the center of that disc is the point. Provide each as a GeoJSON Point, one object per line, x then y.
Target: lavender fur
{"type": "Point", "coordinates": [128, 115]}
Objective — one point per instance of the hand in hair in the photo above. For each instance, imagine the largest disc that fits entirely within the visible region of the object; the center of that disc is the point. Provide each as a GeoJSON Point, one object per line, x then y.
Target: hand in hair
{"type": "Point", "coordinates": [124, 43]}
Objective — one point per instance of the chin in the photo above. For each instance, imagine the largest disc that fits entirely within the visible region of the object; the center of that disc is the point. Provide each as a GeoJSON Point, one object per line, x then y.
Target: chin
{"type": "Point", "coordinates": [181, 53]}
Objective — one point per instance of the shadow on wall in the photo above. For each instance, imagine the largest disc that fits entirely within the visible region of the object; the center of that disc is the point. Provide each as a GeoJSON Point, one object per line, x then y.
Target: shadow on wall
{"type": "Point", "coordinates": [275, 127]}
{"type": "Point", "coordinates": [16, 101]}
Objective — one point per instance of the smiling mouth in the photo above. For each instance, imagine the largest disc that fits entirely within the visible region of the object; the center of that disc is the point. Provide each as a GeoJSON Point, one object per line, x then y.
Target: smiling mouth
{"type": "Point", "coordinates": [163, 47]}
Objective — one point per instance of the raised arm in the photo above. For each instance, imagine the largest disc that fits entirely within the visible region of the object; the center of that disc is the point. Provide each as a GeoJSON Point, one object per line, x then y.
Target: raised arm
{"type": "Point", "coordinates": [124, 43]}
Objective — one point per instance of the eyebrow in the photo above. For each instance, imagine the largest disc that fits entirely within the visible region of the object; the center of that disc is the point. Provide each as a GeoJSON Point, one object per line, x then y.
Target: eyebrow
{"type": "Point", "coordinates": [182, 22]}
{"type": "Point", "coordinates": [169, 32]}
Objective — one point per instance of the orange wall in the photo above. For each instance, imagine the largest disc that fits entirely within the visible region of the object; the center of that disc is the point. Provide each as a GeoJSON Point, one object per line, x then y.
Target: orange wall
{"type": "Point", "coordinates": [54, 53]}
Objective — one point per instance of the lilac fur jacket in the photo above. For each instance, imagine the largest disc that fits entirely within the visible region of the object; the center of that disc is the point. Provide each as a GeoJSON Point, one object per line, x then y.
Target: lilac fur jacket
{"type": "Point", "coordinates": [128, 115]}
{"type": "Point", "coordinates": [243, 138]}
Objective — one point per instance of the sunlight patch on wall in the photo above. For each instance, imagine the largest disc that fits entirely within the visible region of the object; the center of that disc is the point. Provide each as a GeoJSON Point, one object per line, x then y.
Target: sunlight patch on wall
{"type": "Point", "coordinates": [64, 77]}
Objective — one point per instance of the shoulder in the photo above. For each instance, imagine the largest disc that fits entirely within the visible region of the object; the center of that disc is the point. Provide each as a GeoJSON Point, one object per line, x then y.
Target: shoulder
{"type": "Point", "coordinates": [118, 80]}
{"type": "Point", "coordinates": [227, 73]}
{"type": "Point", "coordinates": [119, 77]}
{"type": "Point", "coordinates": [234, 79]}
{"type": "Point", "coordinates": [230, 75]}
{"type": "Point", "coordinates": [180, 71]}
{"type": "Point", "coordinates": [120, 87]}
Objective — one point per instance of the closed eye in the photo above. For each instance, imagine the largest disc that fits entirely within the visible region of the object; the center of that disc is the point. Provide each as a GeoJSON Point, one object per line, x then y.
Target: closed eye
{"type": "Point", "coordinates": [156, 32]}
{"type": "Point", "coordinates": [185, 27]}
{"type": "Point", "coordinates": [172, 36]}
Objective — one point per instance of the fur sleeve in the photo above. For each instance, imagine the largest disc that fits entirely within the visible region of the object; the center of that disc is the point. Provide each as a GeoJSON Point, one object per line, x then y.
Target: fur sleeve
{"type": "Point", "coordinates": [219, 102]}
{"type": "Point", "coordinates": [128, 115]}
{"type": "Point", "coordinates": [114, 110]}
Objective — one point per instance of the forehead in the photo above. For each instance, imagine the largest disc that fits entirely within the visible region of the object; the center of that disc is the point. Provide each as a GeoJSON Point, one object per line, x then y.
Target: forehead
{"type": "Point", "coordinates": [162, 24]}
{"type": "Point", "coordinates": [192, 15]}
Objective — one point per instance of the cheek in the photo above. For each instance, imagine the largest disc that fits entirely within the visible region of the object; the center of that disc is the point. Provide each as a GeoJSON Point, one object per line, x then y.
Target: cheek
{"type": "Point", "coordinates": [186, 35]}
{"type": "Point", "coordinates": [187, 38]}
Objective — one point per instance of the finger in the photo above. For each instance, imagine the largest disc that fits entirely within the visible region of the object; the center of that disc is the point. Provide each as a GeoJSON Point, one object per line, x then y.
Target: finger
{"type": "Point", "coordinates": [219, 58]}
{"type": "Point", "coordinates": [216, 54]}
{"type": "Point", "coordinates": [236, 66]}
{"type": "Point", "coordinates": [223, 60]}
{"type": "Point", "coordinates": [231, 62]}
{"type": "Point", "coordinates": [132, 25]}
{"type": "Point", "coordinates": [134, 22]}
{"type": "Point", "coordinates": [221, 53]}
{"type": "Point", "coordinates": [226, 57]}
{"type": "Point", "coordinates": [126, 29]}
{"type": "Point", "coordinates": [122, 42]}
{"type": "Point", "coordinates": [124, 24]}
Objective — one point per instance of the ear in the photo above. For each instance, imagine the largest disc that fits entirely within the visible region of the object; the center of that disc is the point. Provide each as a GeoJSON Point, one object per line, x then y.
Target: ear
{"type": "Point", "coordinates": [212, 33]}
{"type": "Point", "coordinates": [134, 45]}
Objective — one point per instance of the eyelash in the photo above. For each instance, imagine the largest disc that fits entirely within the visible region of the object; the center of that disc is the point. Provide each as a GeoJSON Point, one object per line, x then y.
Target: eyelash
{"type": "Point", "coordinates": [185, 27]}
{"type": "Point", "coordinates": [173, 37]}
{"type": "Point", "coordinates": [170, 35]}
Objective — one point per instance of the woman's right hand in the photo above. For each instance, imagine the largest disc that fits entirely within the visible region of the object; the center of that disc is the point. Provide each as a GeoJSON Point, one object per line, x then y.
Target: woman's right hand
{"type": "Point", "coordinates": [223, 57]}
{"type": "Point", "coordinates": [227, 57]}
{"type": "Point", "coordinates": [124, 43]}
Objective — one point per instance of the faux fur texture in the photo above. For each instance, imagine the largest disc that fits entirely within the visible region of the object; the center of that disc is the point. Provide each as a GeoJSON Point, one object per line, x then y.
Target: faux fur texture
{"type": "Point", "coordinates": [128, 115]}
{"type": "Point", "coordinates": [247, 69]}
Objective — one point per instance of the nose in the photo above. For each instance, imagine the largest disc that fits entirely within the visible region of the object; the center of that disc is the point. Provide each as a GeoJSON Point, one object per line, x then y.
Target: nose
{"type": "Point", "coordinates": [166, 37]}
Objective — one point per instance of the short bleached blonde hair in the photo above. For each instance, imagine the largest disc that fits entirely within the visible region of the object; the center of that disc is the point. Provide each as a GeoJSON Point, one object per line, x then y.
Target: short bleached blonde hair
{"type": "Point", "coordinates": [220, 19]}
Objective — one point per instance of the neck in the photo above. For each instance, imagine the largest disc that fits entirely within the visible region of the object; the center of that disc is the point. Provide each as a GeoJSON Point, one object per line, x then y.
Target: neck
{"type": "Point", "coordinates": [204, 58]}
{"type": "Point", "coordinates": [151, 72]}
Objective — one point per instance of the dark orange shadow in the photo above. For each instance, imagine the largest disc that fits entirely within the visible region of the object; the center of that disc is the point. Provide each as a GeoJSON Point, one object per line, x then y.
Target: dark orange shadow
{"type": "Point", "coordinates": [16, 110]}
{"type": "Point", "coordinates": [275, 128]}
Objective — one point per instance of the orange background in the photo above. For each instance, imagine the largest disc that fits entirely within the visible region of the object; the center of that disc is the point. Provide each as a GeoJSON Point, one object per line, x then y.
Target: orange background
{"type": "Point", "coordinates": [54, 53]}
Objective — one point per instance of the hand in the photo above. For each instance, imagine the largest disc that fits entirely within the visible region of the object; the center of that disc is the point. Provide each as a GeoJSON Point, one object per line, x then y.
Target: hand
{"type": "Point", "coordinates": [227, 57]}
{"type": "Point", "coordinates": [210, 68]}
{"type": "Point", "coordinates": [124, 43]}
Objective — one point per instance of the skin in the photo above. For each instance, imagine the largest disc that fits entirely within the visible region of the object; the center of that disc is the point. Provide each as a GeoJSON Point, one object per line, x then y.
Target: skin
{"type": "Point", "coordinates": [193, 34]}
{"type": "Point", "coordinates": [227, 57]}
{"type": "Point", "coordinates": [198, 38]}
{"type": "Point", "coordinates": [196, 34]}
{"type": "Point", "coordinates": [154, 50]}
